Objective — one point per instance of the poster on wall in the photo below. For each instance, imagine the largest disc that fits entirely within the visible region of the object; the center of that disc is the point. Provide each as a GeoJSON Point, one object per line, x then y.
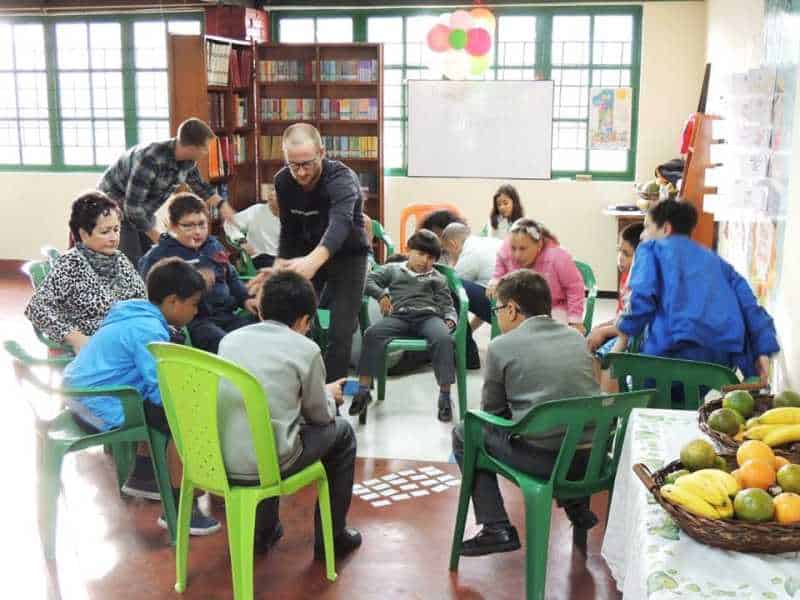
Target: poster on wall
{"type": "Point", "coordinates": [610, 118]}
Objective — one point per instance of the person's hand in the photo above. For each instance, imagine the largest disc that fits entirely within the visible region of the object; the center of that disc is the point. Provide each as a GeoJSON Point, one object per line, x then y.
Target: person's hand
{"type": "Point", "coordinates": [451, 325]}
{"type": "Point", "coordinates": [491, 289]}
{"type": "Point", "coordinates": [249, 248]}
{"type": "Point", "coordinates": [335, 389]}
{"type": "Point", "coordinates": [762, 368]}
{"type": "Point", "coordinates": [579, 327]}
{"type": "Point", "coordinates": [153, 234]}
{"type": "Point", "coordinates": [386, 305]}
{"type": "Point", "coordinates": [256, 282]}
{"type": "Point", "coordinates": [595, 339]}
{"type": "Point", "coordinates": [251, 306]}
{"type": "Point", "coordinates": [208, 276]}
{"type": "Point", "coordinates": [76, 339]}
{"type": "Point", "coordinates": [304, 266]}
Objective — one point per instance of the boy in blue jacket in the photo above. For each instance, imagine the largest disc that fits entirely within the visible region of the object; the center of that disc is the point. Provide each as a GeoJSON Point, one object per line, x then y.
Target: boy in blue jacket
{"type": "Point", "coordinates": [117, 355]}
{"type": "Point", "coordinates": [696, 305]}
{"type": "Point", "coordinates": [188, 239]}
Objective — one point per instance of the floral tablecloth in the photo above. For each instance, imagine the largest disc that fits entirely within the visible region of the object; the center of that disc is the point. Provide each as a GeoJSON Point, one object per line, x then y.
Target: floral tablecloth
{"type": "Point", "coordinates": [651, 558]}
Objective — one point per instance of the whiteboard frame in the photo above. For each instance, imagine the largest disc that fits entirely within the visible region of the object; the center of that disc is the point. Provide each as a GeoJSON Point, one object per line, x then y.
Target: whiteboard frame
{"type": "Point", "coordinates": [538, 82]}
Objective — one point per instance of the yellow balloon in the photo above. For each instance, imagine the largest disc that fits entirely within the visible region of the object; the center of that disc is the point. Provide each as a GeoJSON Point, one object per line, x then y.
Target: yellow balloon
{"type": "Point", "coordinates": [478, 64]}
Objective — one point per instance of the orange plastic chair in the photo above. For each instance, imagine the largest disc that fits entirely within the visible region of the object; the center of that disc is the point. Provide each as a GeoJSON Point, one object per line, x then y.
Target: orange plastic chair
{"type": "Point", "coordinates": [413, 214]}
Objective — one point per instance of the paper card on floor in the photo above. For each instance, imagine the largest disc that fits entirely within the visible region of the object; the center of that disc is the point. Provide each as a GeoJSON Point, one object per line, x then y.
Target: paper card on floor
{"type": "Point", "coordinates": [389, 477]}
{"type": "Point", "coordinates": [389, 492]}
{"type": "Point", "coordinates": [401, 497]}
{"type": "Point", "coordinates": [445, 477]}
{"type": "Point", "coordinates": [360, 491]}
{"type": "Point", "coordinates": [371, 482]}
{"type": "Point", "coordinates": [380, 503]}
{"type": "Point", "coordinates": [409, 486]}
{"type": "Point", "coordinates": [420, 493]}
{"type": "Point", "coordinates": [370, 496]}
{"type": "Point", "coordinates": [418, 477]}
{"type": "Point", "coordinates": [453, 482]}
{"type": "Point", "coordinates": [380, 486]}
{"type": "Point", "coordinates": [429, 482]}
{"type": "Point", "coordinates": [399, 481]}
{"type": "Point", "coordinates": [440, 488]}
{"type": "Point", "coordinates": [407, 472]}
{"type": "Point", "coordinates": [431, 471]}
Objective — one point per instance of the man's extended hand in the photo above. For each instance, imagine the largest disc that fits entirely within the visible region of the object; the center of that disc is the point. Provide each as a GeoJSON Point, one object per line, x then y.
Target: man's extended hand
{"type": "Point", "coordinates": [251, 306]}
{"type": "Point", "coordinates": [254, 285]}
{"type": "Point", "coordinates": [335, 389]}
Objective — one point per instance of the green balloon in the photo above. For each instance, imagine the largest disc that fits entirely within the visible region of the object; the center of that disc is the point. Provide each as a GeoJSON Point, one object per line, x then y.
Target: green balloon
{"type": "Point", "coordinates": [458, 39]}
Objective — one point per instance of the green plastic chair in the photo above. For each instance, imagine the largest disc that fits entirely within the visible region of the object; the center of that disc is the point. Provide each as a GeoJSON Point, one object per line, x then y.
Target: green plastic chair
{"type": "Point", "coordinates": [245, 268]}
{"type": "Point", "coordinates": [609, 416]}
{"type": "Point", "coordinates": [37, 271]}
{"type": "Point", "coordinates": [661, 373]}
{"type": "Point", "coordinates": [590, 283]}
{"type": "Point", "coordinates": [380, 233]}
{"type": "Point", "coordinates": [189, 380]}
{"type": "Point", "coordinates": [51, 253]}
{"type": "Point", "coordinates": [420, 345]}
{"type": "Point", "coordinates": [59, 434]}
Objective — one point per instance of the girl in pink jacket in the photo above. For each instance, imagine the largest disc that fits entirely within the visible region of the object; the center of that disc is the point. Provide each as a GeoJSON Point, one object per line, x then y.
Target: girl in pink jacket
{"type": "Point", "coordinates": [529, 245]}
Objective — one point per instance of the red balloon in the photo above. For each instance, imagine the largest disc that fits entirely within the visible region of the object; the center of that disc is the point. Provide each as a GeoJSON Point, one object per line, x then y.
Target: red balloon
{"type": "Point", "coordinates": [479, 42]}
{"type": "Point", "coordinates": [439, 38]}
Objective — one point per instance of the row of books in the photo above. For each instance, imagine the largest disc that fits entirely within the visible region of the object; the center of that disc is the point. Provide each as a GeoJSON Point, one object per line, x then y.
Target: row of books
{"type": "Point", "coordinates": [239, 149]}
{"type": "Point", "coordinates": [241, 104]}
{"type": "Point", "coordinates": [216, 110]}
{"type": "Point", "coordinates": [348, 70]}
{"type": "Point", "coordinates": [351, 146]}
{"type": "Point", "coordinates": [329, 70]}
{"type": "Point", "coordinates": [286, 70]}
{"type": "Point", "coordinates": [287, 109]}
{"type": "Point", "coordinates": [347, 109]}
{"type": "Point", "coordinates": [269, 147]}
{"type": "Point", "coordinates": [224, 62]}
{"type": "Point", "coordinates": [224, 151]}
{"type": "Point", "coordinates": [241, 67]}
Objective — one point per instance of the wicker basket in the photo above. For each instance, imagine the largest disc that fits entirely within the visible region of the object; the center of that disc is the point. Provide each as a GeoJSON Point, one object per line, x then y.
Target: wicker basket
{"type": "Point", "coordinates": [725, 442]}
{"type": "Point", "coordinates": [728, 534]}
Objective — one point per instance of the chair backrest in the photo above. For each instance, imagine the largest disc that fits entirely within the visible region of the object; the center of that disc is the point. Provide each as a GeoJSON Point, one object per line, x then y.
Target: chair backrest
{"type": "Point", "coordinates": [380, 233]}
{"type": "Point", "coordinates": [661, 373]}
{"type": "Point", "coordinates": [189, 382]}
{"type": "Point", "coordinates": [590, 283]}
{"type": "Point", "coordinates": [51, 253]}
{"type": "Point", "coordinates": [246, 268]}
{"type": "Point", "coordinates": [37, 271]}
{"type": "Point", "coordinates": [413, 214]}
{"type": "Point", "coordinates": [607, 415]}
{"type": "Point", "coordinates": [455, 285]}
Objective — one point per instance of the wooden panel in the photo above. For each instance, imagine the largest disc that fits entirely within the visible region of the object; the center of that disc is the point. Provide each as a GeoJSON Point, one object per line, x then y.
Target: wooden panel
{"type": "Point", "coordinates": [698, 159]}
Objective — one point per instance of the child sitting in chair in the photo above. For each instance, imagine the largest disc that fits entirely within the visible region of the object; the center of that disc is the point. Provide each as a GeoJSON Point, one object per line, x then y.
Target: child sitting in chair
{"type": "Point", "coordinates": [188, 239]}
{"type": "Point", "coordinates": [415, 301]}
{"type": "Point", "coordinates": [258, 229]}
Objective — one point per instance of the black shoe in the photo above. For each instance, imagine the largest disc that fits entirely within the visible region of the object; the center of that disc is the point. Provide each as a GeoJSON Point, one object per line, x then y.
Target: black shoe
{"type": "Point", "coordinates": [445, 411]}
{"type": "Point", "coordinates": [265, 541]}
{"type": "Point", "coordinates": [344, 543]}
{"type": "Point", "coordinates": [490, 540]}
{"type": "Point", "coordinates": [580, 515]}
{"type": "Point", "coordinates": [473, 357]}
{"type": "Point", "coordinates": [360, 402]}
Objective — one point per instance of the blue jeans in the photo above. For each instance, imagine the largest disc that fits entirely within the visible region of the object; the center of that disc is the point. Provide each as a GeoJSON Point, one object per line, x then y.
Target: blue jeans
{"type": "Point", "coordinates": [479, 303]}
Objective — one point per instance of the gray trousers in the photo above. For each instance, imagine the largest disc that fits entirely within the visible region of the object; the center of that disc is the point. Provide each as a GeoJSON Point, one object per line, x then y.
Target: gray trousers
{"type": "Point", "coordinates": [517, 453]}
{"type": "Point", "coordinates": [432, 328]}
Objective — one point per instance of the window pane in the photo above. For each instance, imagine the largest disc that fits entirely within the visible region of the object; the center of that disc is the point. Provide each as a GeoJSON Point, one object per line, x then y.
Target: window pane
{"type": "Point", "coordinates": [152, 97]}
{"type": "Point", "coordinates": [611, 77]}
{"type": "Point", "coordinates": [150, 44]}
{"type": "Point", "coordinates": [109, 141]}
{"type": "Point", "coordinates": [153, 131]}
{"type": "Point", "coordinates": [516, 40]}
{"type": "Point", "coordinates": [6, 47]}
{"type": "Point", "coordinates": [29, 46]}
{"type": "Point", "coordinates": [569, 146]}
{"type": "Point", "coordinates": [106, 44]}
{"type": "Point", "coordinates": [335, 31]}
{"type": "Point", "coordinates": [107, 94]}
{"type": "Point", "coordinates": [608, 160]}
{"type": "Point", "coordinates": [570, 40]}
{"type": "Point", "coordinates": [516, 74]}
{"type": "Point", "coordinates": [78, 143]}
{"type": "Point", "coordinates": [9, 143]}
{"type": "Point", "coordinates": [8, 96]}
{"type": "Point", "coordinates": [392, 93]}
{"type": "Point", "coordinates": [35, 142]}
{"type": "Point", "coordinates": [32, 93]}
{"type": "Point", "coordinates": [73, 45]}
{"type": "Point", "coordinates": [393, 144]}
{"type": "Point", "coordinates": [75, 95]}
{"type": "Point", "coordinates": [296, 31]}
{"type": "Point", "coordinates": [417, 51]}
{"type": "Point", "coordinates": [612, 38]}
{"type": "Point", "coordinates": [571, 100]}
{"type": "Point", "coordinates": [389, 31]}
{"type": "Point", "coordinates": [185, 27]}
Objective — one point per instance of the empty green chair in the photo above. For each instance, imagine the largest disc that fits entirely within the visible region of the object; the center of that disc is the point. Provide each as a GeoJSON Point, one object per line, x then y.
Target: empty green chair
{"type": "Point", "coordinates": [590, 283]}
{"type": "Point", "coordinates": [609, 417]}
{"type": "Point", "coordinates": [189, 380]}
{"type": "Point", "coordinates": [420, 345]}
{"type": "Point", "coordinates": [59, 435]}
{"type": "Point", "coordinates": [636, 371]}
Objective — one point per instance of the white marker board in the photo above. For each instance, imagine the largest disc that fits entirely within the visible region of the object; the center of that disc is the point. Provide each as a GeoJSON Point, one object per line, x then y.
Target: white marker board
{"type": "Point", "coordinates": [489, 129]}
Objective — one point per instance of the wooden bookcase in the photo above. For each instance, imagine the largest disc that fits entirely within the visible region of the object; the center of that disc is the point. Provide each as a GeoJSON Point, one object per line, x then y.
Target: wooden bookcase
{"type": "Point", "coordinates": [286, 72]}
{"type": "Point", "coordinates": [191, 95]}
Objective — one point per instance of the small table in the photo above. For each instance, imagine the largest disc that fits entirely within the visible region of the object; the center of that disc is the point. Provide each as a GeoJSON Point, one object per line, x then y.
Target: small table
{"type": "Point", "coordinates": [624, 218]}
{"type": "Point", "coordinates": [650, 557]}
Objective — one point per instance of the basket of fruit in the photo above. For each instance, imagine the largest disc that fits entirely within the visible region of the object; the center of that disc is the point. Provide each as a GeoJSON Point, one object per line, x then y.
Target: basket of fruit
{"type": "Point", "coordinates": [754, 508]}
{"type": "Point", "coordinates": [739, 415]}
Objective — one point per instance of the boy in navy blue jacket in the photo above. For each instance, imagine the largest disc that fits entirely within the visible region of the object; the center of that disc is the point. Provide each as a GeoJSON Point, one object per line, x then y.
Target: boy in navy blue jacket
{"type": "Point", "coordinates": [188, 239]}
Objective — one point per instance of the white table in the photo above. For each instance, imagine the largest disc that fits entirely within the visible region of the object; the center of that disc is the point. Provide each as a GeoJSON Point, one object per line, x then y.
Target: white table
{"type": "Point", "coordinates": [651, 558]}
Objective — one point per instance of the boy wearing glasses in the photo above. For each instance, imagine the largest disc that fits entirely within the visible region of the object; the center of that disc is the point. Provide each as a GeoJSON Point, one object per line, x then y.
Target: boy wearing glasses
{"type": "Point", "coordinates": [188, 239]}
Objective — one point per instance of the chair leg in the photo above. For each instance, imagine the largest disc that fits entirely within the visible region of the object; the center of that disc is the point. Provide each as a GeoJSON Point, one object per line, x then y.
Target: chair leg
{"type": "Point", "coordinates": [538, 505]}
{"type": "Point", "coordinates": [241, 516]}
{"type": "Point", "coordinates": [49, 488]}
{"type": "Point", "coordinates": [324, 501]}
{"type": "Point", "coordinates": [461, 383]}
{"type": "Point", "coordinates": [124, 454]}
{"type": "Point", "coordinates": [467, 481]}
{"type": "Point", "coordinates": [182, 541]}
{"type": "Point", "coordinates": [158, 454]}
{"type": "Point", "coordinates": [382, 379]}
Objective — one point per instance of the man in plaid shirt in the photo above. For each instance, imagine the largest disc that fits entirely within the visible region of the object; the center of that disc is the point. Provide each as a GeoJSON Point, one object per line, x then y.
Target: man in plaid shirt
{"type": "Point", "coordinates": [144, 177]}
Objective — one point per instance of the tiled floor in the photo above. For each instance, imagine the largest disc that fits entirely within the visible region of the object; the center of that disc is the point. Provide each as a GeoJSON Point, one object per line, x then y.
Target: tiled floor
{"type": "Point", "coordinates": [110, 548]}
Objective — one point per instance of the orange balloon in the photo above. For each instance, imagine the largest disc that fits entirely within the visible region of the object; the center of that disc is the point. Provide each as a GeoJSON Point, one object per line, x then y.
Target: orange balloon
{"type": "Point", "coordinates": [757, 473]}
{"type": "Point", "coordinates": [483, 17]}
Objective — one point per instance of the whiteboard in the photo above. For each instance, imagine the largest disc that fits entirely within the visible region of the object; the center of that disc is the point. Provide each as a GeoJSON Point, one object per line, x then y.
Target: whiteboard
{"type": "Point", "coordinates": [490, 129]}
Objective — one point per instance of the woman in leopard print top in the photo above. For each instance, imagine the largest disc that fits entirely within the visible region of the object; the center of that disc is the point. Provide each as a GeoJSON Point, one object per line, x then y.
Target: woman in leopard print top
{"type": "Point", "coordinates": [86, 281]}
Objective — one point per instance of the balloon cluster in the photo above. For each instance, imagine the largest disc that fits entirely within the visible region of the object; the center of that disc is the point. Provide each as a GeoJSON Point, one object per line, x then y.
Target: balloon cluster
{"type": "Point", "coordinates": [463, 40]}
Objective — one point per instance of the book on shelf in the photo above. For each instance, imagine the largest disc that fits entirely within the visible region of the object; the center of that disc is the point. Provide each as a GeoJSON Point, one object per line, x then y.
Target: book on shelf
{"type": "Point", "coordinates": [219, 157]}
{"type": "Point", "coordinates": [218, 62]}
{"type": "Point", "coordinates": [348, 70]}
{"type": "Point", "coordinates": [238, 149]}
{"type": "Point", "coordinates": [287, 109]}
{"type": "Point", "coordinates": [241, 67]}
{"type": "Point", "coordinates": [216, 110]}
{"type": "Point", "coordinates": [240, 104]}
{"type": "Point", "coordinates": [269, 147]}
{"type": "Point", "coordinates": [351, 146]}
{"type": "Point", "coordinates": [349, 109]}
{"type": "Point", "coordinates": [286, 70]}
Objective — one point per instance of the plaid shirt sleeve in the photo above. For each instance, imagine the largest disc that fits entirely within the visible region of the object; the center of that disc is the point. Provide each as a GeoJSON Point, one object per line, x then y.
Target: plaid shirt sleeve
{"type": "Point", "coordinates": [200, 187]}
{"type": "Point", "coordinates": [142, 178]}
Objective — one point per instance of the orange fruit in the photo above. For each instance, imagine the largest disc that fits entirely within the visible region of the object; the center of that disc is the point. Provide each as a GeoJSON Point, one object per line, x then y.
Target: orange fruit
{"type": "Point", "coordinates": [754, 449]}
{"type": "Point", "coordinates": [737, 475]}
{"type": "Point", "coordinates": [787, 508]}
{"type": "Point", "coordinates": [757, 473]}
{"type": "Point", "coordinates": [779, 462]}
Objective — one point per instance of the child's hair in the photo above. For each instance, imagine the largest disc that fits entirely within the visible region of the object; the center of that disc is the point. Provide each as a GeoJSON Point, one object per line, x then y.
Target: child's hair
{"type": "Point", "coordinates": [173, 275]}
{"type": "Point", "coordinates": [395, 258]}
{"type": "Point", "coordinates": [528, 289]}
{"type": "Point", "coordinates": [439, 219]}
{"type": "Point", "coordinates": [681, 215]}
{"type": "Point", "coordinates": [286, 297]}
{"type": "Point", "coordinates": [86, 209]}
{"type": "Point", "coordinates": [427, 242]}
{"type": "Point", "coordinates": [632, 234]}
{"type": "Point", "coordinates": [516, 212]}
{"type": "Point", "coordinates": [533, 229]}
{"type": "Point", "coordinates": [194, 132]}
{"type": "Point", "coordinates": [185, 203]}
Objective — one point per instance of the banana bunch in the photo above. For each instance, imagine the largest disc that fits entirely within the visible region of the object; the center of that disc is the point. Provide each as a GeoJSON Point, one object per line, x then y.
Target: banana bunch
{"type": "Point", "coordinates": [776, 426]}
{"type": "Point", "coordinates": [705, 493]}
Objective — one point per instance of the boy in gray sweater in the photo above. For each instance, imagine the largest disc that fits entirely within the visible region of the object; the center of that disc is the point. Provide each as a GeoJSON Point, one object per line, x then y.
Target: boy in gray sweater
{"type": "Point", "coordinates": [415, 301]}
{"type": "Point", "coordinates": [302, 408]}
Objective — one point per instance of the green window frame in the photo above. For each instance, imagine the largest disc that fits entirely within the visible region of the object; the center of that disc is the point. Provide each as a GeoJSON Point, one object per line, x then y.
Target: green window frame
{"type": "Point", "coordinates": [97, 103]}
{"type": "Point", "coordinates": [577, 76]}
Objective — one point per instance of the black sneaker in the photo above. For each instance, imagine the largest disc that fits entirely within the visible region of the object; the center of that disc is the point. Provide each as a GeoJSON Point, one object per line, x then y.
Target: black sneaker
{"type": "Point", "coordinates": [360, 402]}
{"type": "Point", "coordinates": [141, 488]}
{"type": "Point", "coordinates": [445, 413]}
{"type": "Point", "coordinates": [265, 541]}
{"type": "Point", "coordinates": [344, 543]}
{"type": "Point", "coordinates": [490, 540]}
{"type": "Point", "coordinates": [580, 515]}
{"type": "Point", "coordinates": [199, 524]}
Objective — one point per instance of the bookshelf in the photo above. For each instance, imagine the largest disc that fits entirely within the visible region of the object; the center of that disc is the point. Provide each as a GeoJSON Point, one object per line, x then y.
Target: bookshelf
{"type": "Point", "coordinates": [211, 78]}
{"type": "Point", "coordinates": [336, 87]}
